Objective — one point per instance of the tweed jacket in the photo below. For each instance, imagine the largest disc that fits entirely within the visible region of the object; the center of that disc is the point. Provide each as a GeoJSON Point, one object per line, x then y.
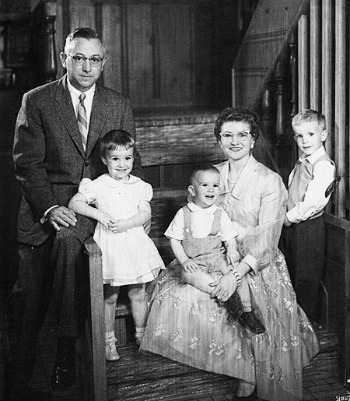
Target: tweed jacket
{"type": "Point", "coordinates": [49, 159]}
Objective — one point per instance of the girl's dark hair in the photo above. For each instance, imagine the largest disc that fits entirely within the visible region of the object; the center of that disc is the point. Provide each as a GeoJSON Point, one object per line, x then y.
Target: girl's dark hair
{"type": "Point", "coordinates": [115, 139]}
{"type": "Point", "coordinates": [237, 114]}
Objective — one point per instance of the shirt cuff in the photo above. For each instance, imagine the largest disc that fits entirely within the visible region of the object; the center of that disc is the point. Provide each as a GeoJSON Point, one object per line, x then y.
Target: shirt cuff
{"type": "Point", "coordinates": [44, 219]}
{"type": "Point", "coordinates": [252, 263]}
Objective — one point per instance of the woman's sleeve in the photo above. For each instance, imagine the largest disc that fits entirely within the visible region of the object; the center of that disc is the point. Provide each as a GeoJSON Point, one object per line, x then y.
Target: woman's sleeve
{"type": "Point", "coordinates": [86, 188]}
{"type": "Point", "coordinates": [260, 244]}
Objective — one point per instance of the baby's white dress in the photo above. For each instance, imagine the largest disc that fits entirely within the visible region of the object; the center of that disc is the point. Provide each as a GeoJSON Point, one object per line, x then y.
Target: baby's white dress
{"type": "Point", "coordinates": [129, 257]}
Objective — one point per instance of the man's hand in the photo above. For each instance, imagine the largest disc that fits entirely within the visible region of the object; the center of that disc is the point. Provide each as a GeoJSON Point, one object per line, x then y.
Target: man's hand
{"type": "Point", "coordinates": [61, 216]}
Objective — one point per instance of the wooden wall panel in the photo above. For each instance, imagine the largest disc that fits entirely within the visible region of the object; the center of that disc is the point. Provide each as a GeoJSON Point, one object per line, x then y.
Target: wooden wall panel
{"type": "Point", "coordinates": [176, 49]}
{"type": "Point", "coordinates": [112, 36]}
{"type": "Point", "coordinates": [140, 46]}
{"type": "Point", "coordinates": [82, 14]}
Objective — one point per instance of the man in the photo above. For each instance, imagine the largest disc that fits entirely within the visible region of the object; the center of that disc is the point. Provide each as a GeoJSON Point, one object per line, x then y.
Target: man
{"type": "Point", "coordinates": [55, 146]}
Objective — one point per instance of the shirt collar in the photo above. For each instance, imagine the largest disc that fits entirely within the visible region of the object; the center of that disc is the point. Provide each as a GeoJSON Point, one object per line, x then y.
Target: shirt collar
{"type": "Point", "coordinates": [76, 93]}
{"type": "Point", "coordinates": [315, 156]}
{"type": "Point", "coordinates": [209, 210]}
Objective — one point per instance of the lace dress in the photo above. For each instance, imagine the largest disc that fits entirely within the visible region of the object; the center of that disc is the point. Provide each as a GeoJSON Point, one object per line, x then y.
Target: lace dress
{"type": "Point", "coordinates": [129, 257]}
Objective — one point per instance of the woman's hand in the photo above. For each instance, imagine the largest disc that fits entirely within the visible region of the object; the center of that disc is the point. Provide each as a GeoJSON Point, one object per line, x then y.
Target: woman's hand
{"type": "Point", "coordinates": [224, 287]}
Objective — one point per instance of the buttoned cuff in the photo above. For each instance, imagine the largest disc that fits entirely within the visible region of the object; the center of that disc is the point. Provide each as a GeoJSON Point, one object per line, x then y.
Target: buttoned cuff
{"type": "Point", "coordinates": [43, 220]}
{"type": "Point", "coordinates": [251, 262]}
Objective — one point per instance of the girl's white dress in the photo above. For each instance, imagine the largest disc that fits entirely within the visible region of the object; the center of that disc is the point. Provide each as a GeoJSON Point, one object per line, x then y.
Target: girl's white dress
{"type": "Point", "coordinates": [129, 257]}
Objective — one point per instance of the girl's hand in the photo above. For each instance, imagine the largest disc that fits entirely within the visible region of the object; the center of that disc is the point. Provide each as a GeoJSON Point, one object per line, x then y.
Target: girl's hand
{"type": "Point", "coordinates": [118, 226]}
{"type": "Point", "coordinates": [105, 219]}
{"type": "Point", "coordinates": [224, 287]}
{"type": "Point", "coordinates": [190, 266]}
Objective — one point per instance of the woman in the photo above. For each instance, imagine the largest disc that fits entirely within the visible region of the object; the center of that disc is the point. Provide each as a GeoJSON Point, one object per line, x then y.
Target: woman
{"type": "Point", "coordinates": [189, 326]}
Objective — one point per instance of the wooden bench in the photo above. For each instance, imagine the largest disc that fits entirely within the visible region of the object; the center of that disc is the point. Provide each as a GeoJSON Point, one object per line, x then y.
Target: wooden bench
{"type": "Point", "coordinates": [170, 146]}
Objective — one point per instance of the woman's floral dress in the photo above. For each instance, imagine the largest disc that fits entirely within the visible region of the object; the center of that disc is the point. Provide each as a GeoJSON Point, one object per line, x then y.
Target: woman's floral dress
{"type": "Point", "coordinates": [188, 326]}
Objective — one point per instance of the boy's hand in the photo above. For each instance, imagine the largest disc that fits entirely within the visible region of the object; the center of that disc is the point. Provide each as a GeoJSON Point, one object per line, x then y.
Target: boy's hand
{"type": "Point", "coordinates": [190, 266]}
{"type": "Point", "coordinates": [118, 226]}
{"type": "Point", "coordinates": [286, 222]}
{"type": "Point", "coordinates": [233, 257]}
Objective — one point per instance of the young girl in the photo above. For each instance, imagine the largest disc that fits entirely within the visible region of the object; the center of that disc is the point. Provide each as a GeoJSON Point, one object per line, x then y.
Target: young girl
{"type": "Point", "coordinates": [121, 207]}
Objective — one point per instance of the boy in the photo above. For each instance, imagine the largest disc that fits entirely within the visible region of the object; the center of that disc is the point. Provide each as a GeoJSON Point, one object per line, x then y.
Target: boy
{"type": "Point", "coordinates": [196, 235]}
{"type": "Point", "coordinates": [303, 237]}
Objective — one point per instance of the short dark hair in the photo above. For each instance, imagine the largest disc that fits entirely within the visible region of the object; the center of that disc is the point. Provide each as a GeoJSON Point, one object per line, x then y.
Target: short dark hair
{"type": "Point", "coordinates": [202, 167]}
{"type": "Point", "coordinates": [115, 139]}
{"type": "Point", "coordinates": [86, 33]}
{"type": "Point", "coordinates": [237, 114]}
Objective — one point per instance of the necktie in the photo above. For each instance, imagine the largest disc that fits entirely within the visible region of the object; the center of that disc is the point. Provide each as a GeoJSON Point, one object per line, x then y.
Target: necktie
{"type": "Point", "coordinates": [82, 120]}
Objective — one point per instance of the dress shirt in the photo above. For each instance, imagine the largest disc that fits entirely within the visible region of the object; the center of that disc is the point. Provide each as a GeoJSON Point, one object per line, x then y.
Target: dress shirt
{"type": "Point", "coordinates": [314, 200]}
{"type": "Point", "coordinates": [74, 93]}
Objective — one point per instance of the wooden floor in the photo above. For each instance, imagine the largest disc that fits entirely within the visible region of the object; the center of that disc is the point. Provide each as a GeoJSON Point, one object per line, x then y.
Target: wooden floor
{"type": "Point", "coordinates": [137, 377]}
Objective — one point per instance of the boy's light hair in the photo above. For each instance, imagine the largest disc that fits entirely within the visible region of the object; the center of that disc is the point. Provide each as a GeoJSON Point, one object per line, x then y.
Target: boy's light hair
{"type": "Point", "coordinates": [309, 115]}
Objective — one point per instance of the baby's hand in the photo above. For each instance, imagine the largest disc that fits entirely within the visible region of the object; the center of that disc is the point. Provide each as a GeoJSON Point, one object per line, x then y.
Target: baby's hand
{"type": "Point", "coordinates": [233, 257]}
{"type": "Point", "coordinates": [118, 226]}
{"type": "Point", "coordinates": [105, 219]}
{"type": "Point", "coordinates": [190, 266]}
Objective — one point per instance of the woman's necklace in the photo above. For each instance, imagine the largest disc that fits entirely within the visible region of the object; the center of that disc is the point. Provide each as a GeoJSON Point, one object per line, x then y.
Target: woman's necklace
{"type": "Point", "coordinates": [233, 183]}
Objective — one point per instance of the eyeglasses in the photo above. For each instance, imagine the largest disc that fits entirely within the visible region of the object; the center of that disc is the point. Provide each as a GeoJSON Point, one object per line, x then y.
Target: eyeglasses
{"type": "Point", "coordinates": [81, 60]}
{"type": "Point", "coordinates": [241, 136]}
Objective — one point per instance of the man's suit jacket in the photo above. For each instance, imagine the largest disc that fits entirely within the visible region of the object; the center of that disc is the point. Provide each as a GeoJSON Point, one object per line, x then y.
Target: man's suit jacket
{"type": "Point", "coordinates": [48, 153]}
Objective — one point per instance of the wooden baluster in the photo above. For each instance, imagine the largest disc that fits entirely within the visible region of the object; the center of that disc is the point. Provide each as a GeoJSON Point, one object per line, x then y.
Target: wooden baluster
{"type": "Point", "coordinates": [315, 55]}
{"type": "Point", "coordinates": [303, 57]}
{"type": "Point", "coordinates": [327, 73]}
{"type": "Point", "coordinates": [340, 104]}
{"type": "Point", "coordinates": [50, 68]}
{"type": "Point", "coordinates": [266, 109]}
{"type": "Point", "coordinates": [45, 61]}
{"type": "Point", "coordinates": [283, 137]}
{"type": "Point", "coordinates": [293, 70]}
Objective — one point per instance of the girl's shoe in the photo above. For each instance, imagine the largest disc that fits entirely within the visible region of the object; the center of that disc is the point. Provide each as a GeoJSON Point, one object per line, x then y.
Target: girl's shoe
{"type": "Point", "coordinates": [111, 351]}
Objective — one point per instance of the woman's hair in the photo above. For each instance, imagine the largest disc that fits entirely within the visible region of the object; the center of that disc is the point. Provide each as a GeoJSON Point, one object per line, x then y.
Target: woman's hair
{"type": "Point", "coordinates": [307, 116]}
{"type": "Point", "coordinates": [114, 139]}
{"type": "Point", "coordinates": [237, 114]}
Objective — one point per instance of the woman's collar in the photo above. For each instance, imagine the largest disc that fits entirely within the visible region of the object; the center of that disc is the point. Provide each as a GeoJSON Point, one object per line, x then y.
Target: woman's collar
{"type": "Point", "coordinates": [243, 179]}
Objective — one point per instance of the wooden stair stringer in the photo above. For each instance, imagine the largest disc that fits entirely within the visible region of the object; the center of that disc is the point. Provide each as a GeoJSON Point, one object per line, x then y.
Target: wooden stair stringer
{"type": "Point", "coordinates": [265, 40]}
